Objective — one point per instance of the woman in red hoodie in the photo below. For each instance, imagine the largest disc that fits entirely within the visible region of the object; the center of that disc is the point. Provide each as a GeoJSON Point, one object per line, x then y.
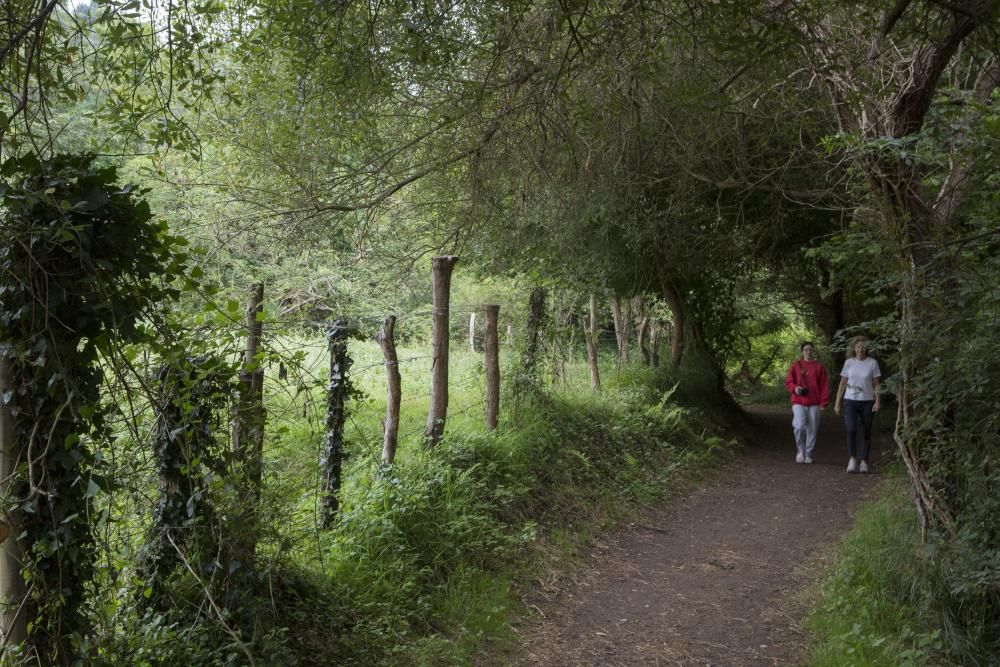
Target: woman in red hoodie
{"type": "Point", "coordinates": [809, 387]}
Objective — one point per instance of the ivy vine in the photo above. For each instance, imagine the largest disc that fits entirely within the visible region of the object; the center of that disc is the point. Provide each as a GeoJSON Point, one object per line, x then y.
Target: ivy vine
{"type": "Point", "coordinates": [83, 271]}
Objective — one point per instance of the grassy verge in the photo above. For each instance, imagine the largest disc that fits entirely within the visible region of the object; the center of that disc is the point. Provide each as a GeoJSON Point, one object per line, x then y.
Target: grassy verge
{"type": "Point", "coordinates": [428, 558]}
{"type": "Point", "coordinates": [433, 552]}
{"type": "Point", "coordinates": [874, 607]}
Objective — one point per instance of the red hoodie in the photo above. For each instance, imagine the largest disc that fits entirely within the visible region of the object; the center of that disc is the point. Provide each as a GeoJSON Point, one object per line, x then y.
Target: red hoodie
{"type": "Point", "coordinates": [812, 376]}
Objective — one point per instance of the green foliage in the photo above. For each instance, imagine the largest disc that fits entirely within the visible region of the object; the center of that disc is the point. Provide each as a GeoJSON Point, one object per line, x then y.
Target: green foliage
{"type": "Point", "coordinates": [190, 468]}
{"type": "Point", "coordinates": [933, 308]}
{"type": "Point", "coordinates": [82, 271]}
{"type": "Point", "coordinates": [768, 338]}
{"type": "Point", "coordinates": [416, 540]}
{"type": "Point", "coordinates": [878, 607]}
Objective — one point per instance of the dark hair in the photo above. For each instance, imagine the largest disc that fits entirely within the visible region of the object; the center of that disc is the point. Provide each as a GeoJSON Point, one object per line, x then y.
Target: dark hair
{"type": "Point", "coordinates": [804, 343]}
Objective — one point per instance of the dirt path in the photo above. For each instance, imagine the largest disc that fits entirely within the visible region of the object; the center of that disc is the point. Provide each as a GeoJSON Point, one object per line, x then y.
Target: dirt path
{"type": "Point", "coordinates": [715, 579]}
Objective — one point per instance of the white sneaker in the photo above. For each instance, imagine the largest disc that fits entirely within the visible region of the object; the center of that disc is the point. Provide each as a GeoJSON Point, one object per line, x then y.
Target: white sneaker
{"type": "Point", "coordinates": [807, 459]}
{"type": "Point", "coordinates": [799, 458]}
{"type": "Point", "coordinates": [863, 467]}
{"type": "Point", "coordinates": [852, 465]}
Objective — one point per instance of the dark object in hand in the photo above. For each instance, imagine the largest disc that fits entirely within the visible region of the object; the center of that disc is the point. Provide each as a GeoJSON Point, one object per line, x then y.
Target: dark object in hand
{"type": "Point", "coordinates": [801, 391]}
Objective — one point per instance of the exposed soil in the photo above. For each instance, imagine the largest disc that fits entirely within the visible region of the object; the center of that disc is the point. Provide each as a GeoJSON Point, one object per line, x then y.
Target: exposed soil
{"type": "Point", "coordinates": [716, 578]}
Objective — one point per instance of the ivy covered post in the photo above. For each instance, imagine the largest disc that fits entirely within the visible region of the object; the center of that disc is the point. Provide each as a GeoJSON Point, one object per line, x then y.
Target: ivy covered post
{"type": "Point", "coordinates": [492, 352]}
{"type": "Point", "coordinates": [337, 393]}
{"type": "Point", "coordinates": [84, 271]}
{"type": "Point", "coordinates": [192, 393]}
{"type": "Point", "coordinates": [533, 334]}
{"type": "Point", "coordinates": [248, 424]}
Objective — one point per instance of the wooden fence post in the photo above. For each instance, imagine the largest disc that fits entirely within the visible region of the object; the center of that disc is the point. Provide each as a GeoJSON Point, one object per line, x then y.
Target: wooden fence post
{"type": "Point", "coordinates": [390, 427]}
{"type": "Point", "coordinates": [248, 426]}
{"type": "Point", "coordinates": [12, 589]}
{"type": "Point", "coordinates": [591, 335]}
{"type": "Point", "coordinates": [441, 266]}
{"type": "Point", "coordinates": [492, 349]}
{"type": "Point", "coordinates": [336, 416]}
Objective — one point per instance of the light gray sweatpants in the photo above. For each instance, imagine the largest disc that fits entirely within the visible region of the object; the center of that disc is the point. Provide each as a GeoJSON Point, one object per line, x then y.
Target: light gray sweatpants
{"type": "Point", "coordinates": [805, 424]}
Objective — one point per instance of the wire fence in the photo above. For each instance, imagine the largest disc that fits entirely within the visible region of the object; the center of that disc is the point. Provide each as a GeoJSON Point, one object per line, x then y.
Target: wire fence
{"type": "Point", "coordinates": [295, 360]}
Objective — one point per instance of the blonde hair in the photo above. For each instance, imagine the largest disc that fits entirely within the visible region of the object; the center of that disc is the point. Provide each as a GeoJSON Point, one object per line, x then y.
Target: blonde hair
{"type": "Point", "coordinates": [855, 341]}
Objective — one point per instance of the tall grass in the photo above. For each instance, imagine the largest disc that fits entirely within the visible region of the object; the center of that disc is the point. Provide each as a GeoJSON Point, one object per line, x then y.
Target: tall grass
{"type": "Point", "coordinates": [875, 607]}
{"type": "Point", "coordinates": [427, 556]}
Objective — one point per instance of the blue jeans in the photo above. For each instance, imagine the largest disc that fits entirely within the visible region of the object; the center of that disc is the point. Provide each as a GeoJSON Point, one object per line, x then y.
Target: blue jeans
{"type": "Point", "coordinates": [853, 410]}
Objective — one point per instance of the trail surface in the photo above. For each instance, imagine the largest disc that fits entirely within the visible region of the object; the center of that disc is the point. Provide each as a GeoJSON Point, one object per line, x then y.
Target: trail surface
{"type": "Point", "coordinates": [715, 578]}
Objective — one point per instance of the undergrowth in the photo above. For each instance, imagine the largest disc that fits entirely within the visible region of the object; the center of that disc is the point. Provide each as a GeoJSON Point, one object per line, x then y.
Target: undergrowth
{"type": "Point", "coordinates": [428, 558]}
{"type": "Point", "coordinates": [428, 552]}
{"type": "Point", "coordinates": [890, 600]}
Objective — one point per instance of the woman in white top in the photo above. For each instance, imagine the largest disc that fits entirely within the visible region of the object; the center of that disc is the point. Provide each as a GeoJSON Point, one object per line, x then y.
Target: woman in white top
{"type": "Point", "coordinates": [858, 390]}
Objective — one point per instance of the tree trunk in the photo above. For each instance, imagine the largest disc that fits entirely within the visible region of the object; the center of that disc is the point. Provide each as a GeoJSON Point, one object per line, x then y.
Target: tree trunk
{"type": "Point", "coordinates": [248, 426]}
{"type": "Point", "coordinates": [390, 427]}
{"type": "Point", "coordinates": [591, 335]}
{"type": "Point", "coordinates": [338, 390]}
{"type": "Point", "coordinates": [641, 335]}
{"type": "Point", "coordinates": [442, 267]}
{"type": "Point", "coordinates": [678, 327]}
{"type": "Point", "coordinates": [492, 350]}
{"type": "Point", "coordinates": [676, 313]}
{"type": "Point", "coordinates": [621, 317]}
{"type": "Point", "coordinates": [12, 589]}
{"type": "Point", "coordinates": [472, 333]}
{"type": "Point", "coordinates": [654, 344]}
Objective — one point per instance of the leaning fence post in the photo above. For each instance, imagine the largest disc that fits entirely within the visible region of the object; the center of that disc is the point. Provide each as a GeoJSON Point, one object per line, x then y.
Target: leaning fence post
{"type": "Point", "coordinates": [248, 426]}
{"type": "Point", "coordinates": [390, 427]}
{"type": "Point", "coordinates": [12, 589]}
{"type": "Point", "coordinates": [492, 350]}
{"type": "Point", "coordinates": [442, 267]}
{"type": "Point", "coordinates": [336, 416]}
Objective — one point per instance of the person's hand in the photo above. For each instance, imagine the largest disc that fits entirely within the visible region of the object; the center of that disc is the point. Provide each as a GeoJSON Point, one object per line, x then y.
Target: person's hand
{"type": "Point", "coordinates": [878, 404]}
{"type": "Point", "coordinates": [836, 408]}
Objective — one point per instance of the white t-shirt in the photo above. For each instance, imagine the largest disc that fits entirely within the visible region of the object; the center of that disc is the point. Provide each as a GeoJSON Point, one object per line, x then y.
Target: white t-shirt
{"type": "Point", "coordinates": [860, 375]}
